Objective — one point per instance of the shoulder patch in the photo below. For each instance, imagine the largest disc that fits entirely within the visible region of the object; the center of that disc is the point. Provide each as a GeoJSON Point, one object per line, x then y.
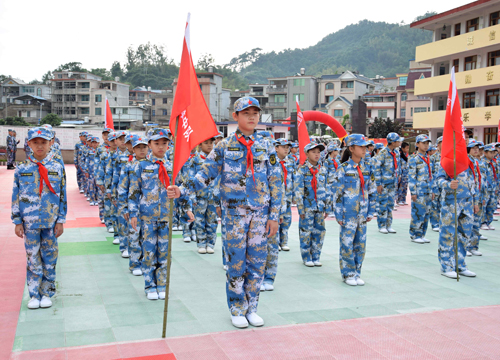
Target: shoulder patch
{"type": "Point", "coordinates": [344, 164]}
{"type": "Point", "coordinates": [272, 159]}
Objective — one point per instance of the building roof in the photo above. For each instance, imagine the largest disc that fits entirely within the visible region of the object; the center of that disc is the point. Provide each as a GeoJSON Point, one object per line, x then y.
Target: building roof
{"type": "Point", "coordinates": [410, 83]}
{"type": "Point", "coordinates": [330, 77]}
{"type": "Point", "coordinates": [17, 81]}
{"type": "Point", "coordinates": [341, 98]}
{"type": "Point", "coordinates": [29, 97]}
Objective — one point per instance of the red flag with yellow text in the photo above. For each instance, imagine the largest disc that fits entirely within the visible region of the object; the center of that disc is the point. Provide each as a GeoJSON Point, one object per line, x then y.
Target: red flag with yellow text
{"type": "Point", "coordinates": [302, 133]}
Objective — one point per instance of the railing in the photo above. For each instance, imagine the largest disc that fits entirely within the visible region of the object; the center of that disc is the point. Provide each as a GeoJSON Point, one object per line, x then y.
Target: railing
{"type": "Point", "coordinates": [347, 90]}
{"type": "Point", "coordinates": [257, 93]}
{"type": "Point", "coordinates": [84, 90]}
{"type": "Point", "coordinates": [276, 104]}
{"type": "Point", "coordinates": [277, 90]}
{"type": "Point", "coordinates": [84, 103]}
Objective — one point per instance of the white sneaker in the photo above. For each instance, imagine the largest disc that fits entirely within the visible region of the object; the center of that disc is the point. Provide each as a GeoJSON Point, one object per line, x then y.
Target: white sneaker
{"type": "Point", "coordinates": [396, 205]}
{"type": "Point", "coordinates": [137, 272]}
{"type": "Point", "coordinates": [418, 241]}
{"type": "Point", "coordinates": [450, 274]}
{"type": "Point", "coordinates": [210, 250]}
{"type": "Point", "coordinates": [202, 251]}
{"type": "Point", "coordinates": [225, 267]}
{"type": "Point", "coordinates": [394, 209]}
{"type": "Point", "coordinates": [495, 219]}
{"type": "Point", "coordinates": [187, 239]}
{"type": "Point", "coordinates": [351, 281]}
{"type": "Point", "coordinates": [383, 231]}
{"type": "Point", "coordinates": [161, 295]}
{"type": "Point", "coordinates": [484, 227]}
{"type": "Point", "coordinates": [254, 319]}
{"type": "Point", "coordinates": [467, 273]}
{"type": "Point", "coordinates": [496, 212]}
{"type": "Point", "coordinates": [81, 191]}
{"type": "Point", "coordinates": [317, 263]}
{"type": "Point", "coordinates": [102, 221]}
{"type": "Point", "coordinates": [401, 203]}
{"type": "Point", "coordinates": [476, 253]}
{"type": "Point", "coordinates": [285, 248]}
{"type": "Point", "coordinates": [45, 302]}
{"type": "Point", "coordinates": [239, 321]}
{"type": "Point", "coordinates": [482, 237]}
{"type": "Point", "coordinates": [491, 227]}
{"type": "Point", "coordinates": [309, 263]}
{"type": "Point", "coordinates": [436, 229]}
{"type": "Point", "coordinates": [174, 228]}
{"type": "Point", "coordinates": [279, 248]}
{"type": "Point", "coordinates": [391, 230]}
{"type": "Point", "coordinates": [426, 240]}
{"type": "Point", "coordinates": [268, 287]}
{"type": "Point", "coordinates": [152, 295]}
{"type": "Point", "coordinates": [111, 230]}
{"type": "Point", "coordinates": [88, 199]}
{"type": "Point", "coordinates": [193, 237]}
{"type": "Point", "coordinates": [125, 254]}
{"type": "Point", "coordinates": [116, 241]}
{"type": "Point", "coordinates": [468, 253]}
{"type": "Point", "coordinates": [262, 287]}
{"type": "Point", "coordinates": [34, 303]}
{"type": "Point", "coordinates": [359, 282]}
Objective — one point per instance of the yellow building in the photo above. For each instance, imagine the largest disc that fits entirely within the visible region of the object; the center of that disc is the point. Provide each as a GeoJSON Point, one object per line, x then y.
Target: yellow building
{"type": "Point", "coordinates": [468, 38]}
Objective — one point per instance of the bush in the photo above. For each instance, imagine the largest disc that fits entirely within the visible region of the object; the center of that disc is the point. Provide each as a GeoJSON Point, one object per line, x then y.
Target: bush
{"type": "Point", "coordinates": [51, 119]}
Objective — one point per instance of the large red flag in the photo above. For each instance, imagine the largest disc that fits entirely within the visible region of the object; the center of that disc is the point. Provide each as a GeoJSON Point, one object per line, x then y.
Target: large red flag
{"type": "Point", "coordinates": [302, 133]}
{"type": "Point", "coordinates": [195, 122]}
{"type": "Point", "coordinates": [453, 124]}
{"type": "Point", "coordinates": [108, 117]}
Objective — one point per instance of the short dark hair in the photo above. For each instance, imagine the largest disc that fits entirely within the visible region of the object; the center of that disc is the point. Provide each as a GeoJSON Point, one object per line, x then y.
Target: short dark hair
{"type": "Point", "coordinates": [404, 144]}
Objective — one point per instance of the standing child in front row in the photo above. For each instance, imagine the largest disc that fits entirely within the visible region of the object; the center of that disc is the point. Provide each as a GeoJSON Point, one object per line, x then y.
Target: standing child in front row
{"type": "Point", "coordinates": [313, 204]}
{"type": "Point", "coordinates": [39, 212]}
{"type": "Point", "coordinates": [148, 201]}
{"type": "Point", "coordinates": [354, 205]}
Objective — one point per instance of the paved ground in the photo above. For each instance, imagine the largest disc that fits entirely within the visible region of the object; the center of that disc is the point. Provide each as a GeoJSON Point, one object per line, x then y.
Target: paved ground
{"type": "Point", "coordinates": [100, 310]}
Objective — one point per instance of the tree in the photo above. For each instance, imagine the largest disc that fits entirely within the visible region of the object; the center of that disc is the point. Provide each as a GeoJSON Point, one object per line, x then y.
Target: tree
{"type": "Point", "coordinates": [71, 66]}
{"type": "Point", "coordinates": [51, 119]}
{"type": "Point", "coordinates": [14, 121]}
{"type": "Point", "coordinates": [204, 62]}
{"type": "Point", "coordinates": [46, 77]}
{"type": "Point", "coordinates": [381, 127]}
{"type": "Point", "coordinates": [102, 72]}
{"type": "Point", "coordinates": [35, 82]}
{"type": "Point", "coordinates": [116, 70]}
{"type": "Point", "coordinates": [425, 16]}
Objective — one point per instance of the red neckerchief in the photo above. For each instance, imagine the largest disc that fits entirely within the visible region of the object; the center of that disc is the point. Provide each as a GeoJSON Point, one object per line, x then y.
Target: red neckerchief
{"type": "Point", "coordinates": [494, 171]}
{"type": "Point", "coordinates": [248, 145]}
{"type": "Point", "coordinates": [361, 179]}
{"type": "Point", "coordinates": [478, 174]}
{"type": "Point", "coordinates": [191, 156]}
{"type": "Point", "coordinates": [285, 171]}
{"type": "Point", "coordinates": [428, 162]}
{"type": "Point", "coordinates": [471, 167]}
{"type": "Point", "coordinates": [130, 157]}
{"type": "Point", "coordinates": [314, 181]}
{"type": "Point", "coordinates": [162, 172]}
{"type": "Point", "coordinates": [203, 157]}
{"type": "Point", "coordinates": [395, 161]}
{"type": "Point", "coordinates": [335, 164]}
{"type": "Point", "coordinates": [44, 176]}
{"type": "Point", "coordinates": [294, 156]}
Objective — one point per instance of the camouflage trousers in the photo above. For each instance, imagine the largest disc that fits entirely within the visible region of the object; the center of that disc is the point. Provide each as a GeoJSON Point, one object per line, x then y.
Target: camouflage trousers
{"type": "Point", "coordinates": [121, 227]}
{"type": "Point", "coordinates": [11, 157]}
{"type": "Point", "coordinates": [135, 246]}
{"type": "Point", "coordinates": [79, 177]}
{"type": "Point", "coordinates": [205, 223]}
{"type": "Point", "coordinates": [403, 188]}
{"type": "Point", "coordinates": [246, 252]}
{"type": "Point", "coordinates": [100, 202]}
{"type": "Point", "coordinates": [311, 234]}
{"type": "Point", "coordinates": [465, 220]}
{"type": "Point", "coordinates": [41, 254]}
{"type": "Point", "coordinates": [420, 213]}
{"type": "Point", "coordinates": [435, 211]}
{"type": "Point", "coordinates": [93, 193]}
{"type": "Point", "coordinates": [473, 243]}
{"type": "Point", "coordinates": [352, 248]}
{"type": "Point", "coordinates": [271, 268]}
{"type": "Point", "coordinates": [491, 206]}
{"type": "Point", "coordinates": [155, 253]}
{"type": "Point", "coordinates": [386, 205]}
{"type": "Point", "coordinates": [285, 225]}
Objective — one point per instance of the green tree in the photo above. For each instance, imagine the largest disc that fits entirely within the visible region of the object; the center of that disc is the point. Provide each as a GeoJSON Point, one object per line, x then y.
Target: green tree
{"type": "Point", "coordinates": [102, 72]}
{"type": "Point", "coordinates": [51, 119]}
{"type": "Point", "coordinates": [116, 70]}
{"type": "Point", "coordinates": [71, 66]}
{"type": "Point", "coordinates": [46, 77]}
{"type": "Point", "coordinates": [425, 16]}
{"type": "Point", "coordinates": [14, 121]}
{"type": "Point", "coordinates": [381, 127]}
{"type": "Point", "coordinates": [204, 62]}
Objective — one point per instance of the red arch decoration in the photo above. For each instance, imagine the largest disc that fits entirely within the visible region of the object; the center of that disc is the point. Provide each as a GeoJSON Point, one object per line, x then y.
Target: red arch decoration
{"type": "Point", "coordinates": [326, 119]}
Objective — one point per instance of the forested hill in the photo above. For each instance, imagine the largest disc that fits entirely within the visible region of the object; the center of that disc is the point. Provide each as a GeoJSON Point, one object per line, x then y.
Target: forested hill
{"type": "Point", "coordinates": [372, 48]}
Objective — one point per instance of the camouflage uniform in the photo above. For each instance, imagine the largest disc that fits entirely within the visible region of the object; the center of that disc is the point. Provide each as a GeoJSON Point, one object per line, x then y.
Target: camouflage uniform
{"type": "Point", "coordinates": [479, 173]}
{"type": "Point", "coordinates": [352, 207]}
{"type": "Point", "coordinates": [312, 206]}
{"type": "Point", "coordinates": [491, 197]}
{"type": "Point", "coordinates": [11, 147]}
{"type": "Point", "coordinates": [436, 203]}
{"type": "Point", "coordinates": [120, 162]}
{"type": "Point", "coordinates": [89, 166]}
{"type": "Point", "coordinates": [247, 206]}
{"type": "Point", "coordinates": [39, 214]}
{"type": "Point", "coordinates": [403, 182]}
{"type": "Point", "coordinates": [101, 157]}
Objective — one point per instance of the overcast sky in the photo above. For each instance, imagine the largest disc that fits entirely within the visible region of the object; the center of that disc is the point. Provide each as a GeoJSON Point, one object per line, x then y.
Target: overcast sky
{"type": "Point", "coordinates": [36, 36]}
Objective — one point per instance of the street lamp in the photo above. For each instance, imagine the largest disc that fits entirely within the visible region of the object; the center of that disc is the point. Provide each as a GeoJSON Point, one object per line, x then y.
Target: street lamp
{"type": "Point", "coordinates": [40, 118]}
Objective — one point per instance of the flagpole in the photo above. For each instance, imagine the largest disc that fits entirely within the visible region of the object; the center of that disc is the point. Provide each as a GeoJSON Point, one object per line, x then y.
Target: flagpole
{"type": "Point", "coordinates": [169, 255]}
{"type": "Point", "coordinates": [455, 195]}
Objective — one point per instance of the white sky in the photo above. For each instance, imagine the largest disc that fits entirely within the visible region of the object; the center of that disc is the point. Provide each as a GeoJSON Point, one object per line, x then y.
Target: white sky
{"type": "Point", "coordinates": [36, 36]}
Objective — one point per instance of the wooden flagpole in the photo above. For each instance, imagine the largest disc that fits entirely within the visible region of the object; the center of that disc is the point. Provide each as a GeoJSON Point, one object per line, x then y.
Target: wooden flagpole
{"type": "Point", "coordinates": [169, 255]}
{"type": "Point", "coordinates": [455, 194]}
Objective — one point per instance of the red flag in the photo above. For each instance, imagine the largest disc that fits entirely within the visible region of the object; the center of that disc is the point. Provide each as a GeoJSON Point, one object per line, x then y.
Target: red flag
{"type": "Point", "coordinates": [195, 122]}
{"type": "Point", "coordinates": [108, 117]}
{"type": "Point", "coordinates": [302, 132]}
{"type": "Point", "coordinates": [498, 133]}
{"type": "Point", "coordinates": [453, 124]}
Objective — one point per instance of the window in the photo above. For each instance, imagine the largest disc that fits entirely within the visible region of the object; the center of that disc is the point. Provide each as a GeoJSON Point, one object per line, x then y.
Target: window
{"type": "Point", "coordinates": [279, 98]}
{"type": "Point", "coordinates": [85, 111]}
{"type": "Point", "coordinates": [84, 97]}
{"type": "Point", "coordinates": [59, 76]}
{"type": "Point", "coordinates": [154, 112]}
{"type": "Point", "coordinates": [492, 97]}
{"type": "Point", "coordinates": [369, 113]}
{"type": "Point", "coordinates": [442, 70]}
{"type": "Point", "coordinates": [300, 96]}
{"type": "Point", "coordinates": [279, 114]}
{"type": "Point", "coordinates": [456, 63]}
{"type": "Point", "coordinates": [469, 100]}
{"type": "Point", "coordinates": [472, 25]}
{"type": "Point", "coordinates": [457, 29]}
{"type": "Point", "coordinates": [98, 111]}
{"type": "Point", "coordinates": [113, 111]}
{"type": "Point", "coordinates": [420, 110]}
{"type": "Point", "coordinates": [490, 135]}
{"type": "Point", "coordinates": [39, 92]}
{"type": "Point", "coordinates": [125, 111]}
{"type": "Point", "coordinates": [154, 101]}
{"type": "Point", "coordinates": [98, 98]}
{"type": "Point", "coordinates": [404, 96]}
{"type": "Point", "coordinates": [347, 85]}
{"type": "Point", "coordinates": [382, 114]}
{"type": "Point", "coordinates": [28, 113]}
{"type": "Point", "coordinates": [443, 36]}
{"type": "Point", "coordinates": [299, 82]}
{"type": "Point", "coordinates": [164, 100]}
{"type": "Point", "coordinates": [411, 112]}
{"type": "Point", "coordinates": [164, 112]}
{"type": "Point", "coordinates": [494, 19]}
{"type": "Point", "coordinates": [403, 80]}
{"type": "Point", "coordinates": [494, 58]}
{"type": "Point", "coordinates": [338, 113]}
{"type": "Point", "coordinates": [85, 85]}
{"type": "Point", "coordinates": [329, 86]}
{"type": "Point", "coordinates": [328, 99]}
{"type": "Point", "coordinates": [28, 89]}
{"type": "Point", "coordinates": [403, 113]}
{"type": "Point", "coordinates": [470, 63]}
